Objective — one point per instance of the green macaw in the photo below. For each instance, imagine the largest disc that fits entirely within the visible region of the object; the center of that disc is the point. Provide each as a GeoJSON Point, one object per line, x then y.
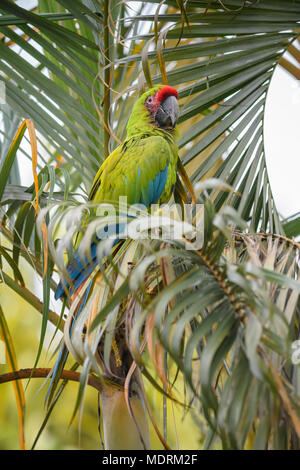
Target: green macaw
{"type": "Point", "coordinates": [143, 168]}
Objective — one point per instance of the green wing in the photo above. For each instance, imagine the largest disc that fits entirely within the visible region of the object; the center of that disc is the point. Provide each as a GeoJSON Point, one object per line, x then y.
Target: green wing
{"type": "Point", "coordinates": [143, 170]}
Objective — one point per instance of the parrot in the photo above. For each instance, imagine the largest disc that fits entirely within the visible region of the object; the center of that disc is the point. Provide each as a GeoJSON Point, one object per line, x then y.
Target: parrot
{"type": "Point", "coordinates": [143, 168]}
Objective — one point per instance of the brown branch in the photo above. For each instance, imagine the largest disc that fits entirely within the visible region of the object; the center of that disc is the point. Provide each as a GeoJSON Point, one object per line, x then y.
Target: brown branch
{"type": "Point", "coordinates": [286, 400]}
{"type": "Point", "coordinates": [291, 68]}
{"type": "Point", "coordinates": [295, 52]}
{"type": "Point", "coordinates": [44, 372]}
{"type": "Point", "coordinates": [217, 275]}
{"type": "Point", "coordinates": [281, 238]}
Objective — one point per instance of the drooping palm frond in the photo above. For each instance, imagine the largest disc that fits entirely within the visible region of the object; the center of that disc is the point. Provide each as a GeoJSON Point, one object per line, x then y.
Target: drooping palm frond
{"type": "Point", "coordinates": [55, 77]}
{"type": "Point", "coordinates": [226, 315]}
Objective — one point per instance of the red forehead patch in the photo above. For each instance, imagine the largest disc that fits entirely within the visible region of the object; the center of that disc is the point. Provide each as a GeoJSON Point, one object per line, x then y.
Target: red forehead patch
{"type": "Point", "coordinates": [165, 92]}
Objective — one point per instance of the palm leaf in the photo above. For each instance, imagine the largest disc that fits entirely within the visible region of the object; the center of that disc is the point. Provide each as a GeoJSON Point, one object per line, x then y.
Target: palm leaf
{"type": "Point", "coordinates": [12, 363]}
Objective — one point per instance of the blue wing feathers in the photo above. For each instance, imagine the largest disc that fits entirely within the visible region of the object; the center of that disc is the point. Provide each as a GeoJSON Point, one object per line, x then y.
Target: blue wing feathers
{"type": "Point", "coordinates": [162, 182]}
{"type": "Point", "coordinates": [159, 184]}
{"type": "Point", "coordinates": [79, 269]}
{"type": "Point", "coordinates": [153, 192]}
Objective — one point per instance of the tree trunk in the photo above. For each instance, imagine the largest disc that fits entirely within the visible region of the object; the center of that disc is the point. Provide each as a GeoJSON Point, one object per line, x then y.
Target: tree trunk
{"type": "Point", "coordinates": [121, 430]}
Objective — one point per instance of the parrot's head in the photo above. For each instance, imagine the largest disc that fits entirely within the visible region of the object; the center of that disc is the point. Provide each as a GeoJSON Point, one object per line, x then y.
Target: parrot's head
{"type": "Point", "coordinates": [156, 108]}
{"type": "Point", "coordinates": [162, 106]}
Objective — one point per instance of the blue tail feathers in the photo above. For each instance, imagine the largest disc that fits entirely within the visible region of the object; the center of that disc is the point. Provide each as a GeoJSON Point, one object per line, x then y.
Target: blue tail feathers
{"type": "Point", "coordinates": [78, 270]}
{"type": "Point", "coordinates": [80, 267]}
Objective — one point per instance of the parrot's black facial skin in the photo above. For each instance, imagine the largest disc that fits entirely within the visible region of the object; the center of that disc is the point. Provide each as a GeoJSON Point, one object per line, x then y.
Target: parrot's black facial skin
{"type": "Point", "coordinates": [167, 112]}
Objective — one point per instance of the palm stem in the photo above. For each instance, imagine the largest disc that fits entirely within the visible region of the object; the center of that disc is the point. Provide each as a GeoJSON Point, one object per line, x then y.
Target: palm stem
{"type": "Point", "coordinates": [44, 372]}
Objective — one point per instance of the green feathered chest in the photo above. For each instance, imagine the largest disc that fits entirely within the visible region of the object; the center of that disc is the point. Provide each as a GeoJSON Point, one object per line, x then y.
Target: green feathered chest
{"type": "Point", "coordinates": [143, 169]}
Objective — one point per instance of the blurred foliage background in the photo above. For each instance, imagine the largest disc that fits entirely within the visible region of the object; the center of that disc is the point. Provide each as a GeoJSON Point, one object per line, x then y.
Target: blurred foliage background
{"type": "Point", "coordinates": [25, 322]}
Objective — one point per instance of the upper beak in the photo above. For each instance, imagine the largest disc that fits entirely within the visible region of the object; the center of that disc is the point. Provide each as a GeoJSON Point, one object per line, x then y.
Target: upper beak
{"type": "Point", "coordinates": [168, 112]}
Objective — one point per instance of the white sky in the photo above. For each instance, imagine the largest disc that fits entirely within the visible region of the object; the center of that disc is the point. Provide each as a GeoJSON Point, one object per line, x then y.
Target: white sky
{"type": "Point", "coordinates": [282, 141]}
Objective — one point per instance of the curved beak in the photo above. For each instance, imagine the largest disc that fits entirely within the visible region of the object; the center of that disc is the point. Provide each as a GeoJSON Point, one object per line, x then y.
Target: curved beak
{"type": "Point", "coordinates": [168, 112]}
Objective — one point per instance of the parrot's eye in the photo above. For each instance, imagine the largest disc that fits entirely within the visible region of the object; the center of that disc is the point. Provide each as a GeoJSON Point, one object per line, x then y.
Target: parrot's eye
{"type": "Point", "coordinates": [149, 99]}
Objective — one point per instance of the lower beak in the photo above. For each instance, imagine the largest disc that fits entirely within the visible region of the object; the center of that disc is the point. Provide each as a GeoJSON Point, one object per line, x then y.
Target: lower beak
{"type": "Point", "coordinates": [168, 112]}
